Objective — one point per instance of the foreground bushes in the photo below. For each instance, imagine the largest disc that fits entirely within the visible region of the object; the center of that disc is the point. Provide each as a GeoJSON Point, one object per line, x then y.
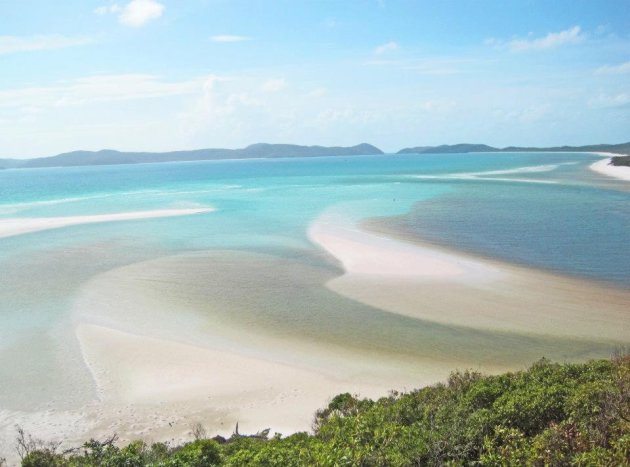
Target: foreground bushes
{"type": "Point", "coordinates": [551, 414]}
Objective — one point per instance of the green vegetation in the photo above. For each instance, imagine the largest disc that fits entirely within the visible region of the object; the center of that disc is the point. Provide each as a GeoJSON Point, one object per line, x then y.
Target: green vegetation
{"type": "Point", "coordinates": [621, 161]}
{"type": "Point", "coordinates": [551, 414]}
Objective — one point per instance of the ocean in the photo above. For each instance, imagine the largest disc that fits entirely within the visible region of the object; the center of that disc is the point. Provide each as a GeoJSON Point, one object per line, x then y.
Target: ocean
{"type": "Point", "coordinates": [244, 276]}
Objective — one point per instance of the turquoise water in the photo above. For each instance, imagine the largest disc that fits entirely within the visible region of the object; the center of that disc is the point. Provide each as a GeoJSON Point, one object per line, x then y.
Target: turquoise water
{"type": "Point", "coordinates": [492, 204]}
{"type": "Point", "coordinates": [259, 272]}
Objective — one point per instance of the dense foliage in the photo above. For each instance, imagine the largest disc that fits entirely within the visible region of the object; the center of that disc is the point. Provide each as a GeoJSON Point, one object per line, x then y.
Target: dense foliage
{"type": "Point", "coordinates": [551, 414]}
{"type": "Point", "coordinates": [620, 161]}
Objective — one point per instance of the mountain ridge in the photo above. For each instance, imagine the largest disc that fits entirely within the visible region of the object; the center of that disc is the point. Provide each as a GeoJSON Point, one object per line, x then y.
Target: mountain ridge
{"type": "Point", "coordinates": [622, 148]}
{"type": "Point", "coordinates": [266, 150]}
{"type": "Point", "coordinates": [258, 150]}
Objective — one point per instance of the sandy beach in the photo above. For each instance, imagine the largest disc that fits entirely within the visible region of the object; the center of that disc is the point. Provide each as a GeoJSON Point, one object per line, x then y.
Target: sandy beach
{"type": "Point", "coordinates": [605, 168]}
{"type": "Point", "coordinates": [157, 390]}
{"type": "Point", "coordinates": [17, 226]}
{"type": "Point", "coordinates": [220, 336]}
{"type": "Point", "coordinates": [204, 356]}
{"type": "Point", "coordinates": [426, 282]}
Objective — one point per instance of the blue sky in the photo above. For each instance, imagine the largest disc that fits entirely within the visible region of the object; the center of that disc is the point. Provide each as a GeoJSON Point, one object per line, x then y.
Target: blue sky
{"type": "Point", "coordinates": [161, 75]}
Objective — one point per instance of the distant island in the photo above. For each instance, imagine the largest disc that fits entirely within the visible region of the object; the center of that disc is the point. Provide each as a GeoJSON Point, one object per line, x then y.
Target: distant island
{"type": "Point", "coordinates": [260, 150]}
{"type": "Point", "coordinates": [623, 148]}
{"type": "Point", "coordinates": [268, 151]}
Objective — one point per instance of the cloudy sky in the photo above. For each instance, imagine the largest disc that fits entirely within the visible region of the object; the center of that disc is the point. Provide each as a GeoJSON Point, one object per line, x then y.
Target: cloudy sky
{"type": "Point", "coordinates": [160, 75]}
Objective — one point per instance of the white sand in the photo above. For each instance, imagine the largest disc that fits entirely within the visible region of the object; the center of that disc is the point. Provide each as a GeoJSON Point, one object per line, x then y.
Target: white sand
{"type": "Point", "coordinates": [603, 167]}
{"type": "Point", "coordinates": [143, 372]}
{"type": "Point", "coordinates": [156, 389]}
{"type": "Point", "coordinates": [21, 225]}
{"type": "Point", "coordinates": [425, 282]}
{"type": "Point", "coordinates": [367, 254]}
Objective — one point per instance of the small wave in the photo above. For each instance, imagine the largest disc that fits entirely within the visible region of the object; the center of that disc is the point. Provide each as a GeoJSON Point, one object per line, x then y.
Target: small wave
{"type": "Point", "coordinates": [474, 178]}
{"type": "Point", "coordinates": [27, 204]}
{"type": "Point", "coordinates": [488, 175]}
{"type": "Point", "coordinates": [13, 208]}
{"type": "Point", "coordinates": [214, 189]}
{"type": "Point", "coordinates": [520, 170]}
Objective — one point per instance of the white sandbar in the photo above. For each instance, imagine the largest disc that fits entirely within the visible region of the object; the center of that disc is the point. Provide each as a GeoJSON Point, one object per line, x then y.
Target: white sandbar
{"type": "Point", "coordinates": [22, 225]}
{"type": "Point", "coordinates": [430, 283]}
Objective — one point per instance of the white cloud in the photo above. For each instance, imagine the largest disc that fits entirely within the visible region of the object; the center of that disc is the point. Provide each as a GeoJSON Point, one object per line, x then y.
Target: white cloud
{"type": "Point", "coordinates": [429, 65]}
{"type": "Point", "coordinates": [317, 93]}
{"type": "Point", "coordinates": [14, 44]}
{"type": "Point", "coordinates": [553, 39]}
{"type": "Point", "coordinates": [229, 38]}
{"type": "Point", "coordinates": [607, 100]}
{"type": "Point", "coordinates": [103, 10]}
{"type": "Point", "coordinates": [136, 13]}
{"type": "Point", "coordinates": [102, 88]}
{"type": "Point", "coordinates": [620, 69]}
{"type": "Point", "coordinates": [139, 12]}
{"type": "Point", "coordinates": [274, 85]}
{"type": "Point", "coordinates": [385, 48]}
{"type": "Point", "coordinates": [330, 23]}
{"type": "Point", "coordinates": [434, 105]}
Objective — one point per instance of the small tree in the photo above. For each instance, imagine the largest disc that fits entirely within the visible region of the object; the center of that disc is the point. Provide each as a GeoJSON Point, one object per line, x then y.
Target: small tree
{"type": "Point", "coordinates": [198, 431]}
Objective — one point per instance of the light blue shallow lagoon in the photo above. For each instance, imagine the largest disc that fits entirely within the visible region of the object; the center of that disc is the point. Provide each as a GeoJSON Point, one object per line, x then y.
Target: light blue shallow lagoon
{"type": "Point", "coordinates": [544, 211]}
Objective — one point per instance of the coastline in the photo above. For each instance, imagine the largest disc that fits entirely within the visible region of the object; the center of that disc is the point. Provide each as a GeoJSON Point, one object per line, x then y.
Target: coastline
{"type": "Point", "coordinates": [605, 168]}
{"type": "Point", "coordinates": [431, 283]}
{"type": "Point", "coordinates": [157, 389]}
{"type": "Point", "coordinates": [155, 385]}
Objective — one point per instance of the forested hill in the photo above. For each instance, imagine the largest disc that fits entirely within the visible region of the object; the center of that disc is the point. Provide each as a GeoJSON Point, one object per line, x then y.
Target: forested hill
{"type": "Point", "coordinates": [623, 148]}
{"type": "Point", "coordinates": [621, 161]}
{"type": "Point", "coordinates": [551, 414]}
{"type": "Point", "coordinates": [260, 150]}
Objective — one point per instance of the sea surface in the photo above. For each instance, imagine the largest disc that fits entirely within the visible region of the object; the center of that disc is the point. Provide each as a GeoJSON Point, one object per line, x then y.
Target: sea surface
{"type": "Point", "coordinates": [542, 210]}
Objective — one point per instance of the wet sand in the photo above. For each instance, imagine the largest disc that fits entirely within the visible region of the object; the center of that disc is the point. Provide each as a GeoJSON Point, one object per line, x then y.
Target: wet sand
{"type": "Point", "coordinates": [423, 281]}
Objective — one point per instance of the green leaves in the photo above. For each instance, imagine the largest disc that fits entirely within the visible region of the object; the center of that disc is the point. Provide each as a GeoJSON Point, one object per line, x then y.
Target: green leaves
{"type": "Point", "coordinates": [551, 414]}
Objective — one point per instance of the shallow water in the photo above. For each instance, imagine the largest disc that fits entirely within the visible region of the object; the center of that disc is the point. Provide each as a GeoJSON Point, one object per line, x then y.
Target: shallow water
{"type": "Point", "coordinates": [247, 270]}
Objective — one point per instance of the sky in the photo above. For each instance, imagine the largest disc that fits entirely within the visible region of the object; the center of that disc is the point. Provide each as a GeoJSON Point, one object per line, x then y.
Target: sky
{"type": "Point", "coordinates": [160, 75]}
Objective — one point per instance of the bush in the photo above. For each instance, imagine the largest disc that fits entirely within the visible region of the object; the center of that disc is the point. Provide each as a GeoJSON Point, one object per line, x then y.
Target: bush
{"type": "Point", "coordinates": [199, 453]}
{"type": "Point", "coordinates": [550, 414]}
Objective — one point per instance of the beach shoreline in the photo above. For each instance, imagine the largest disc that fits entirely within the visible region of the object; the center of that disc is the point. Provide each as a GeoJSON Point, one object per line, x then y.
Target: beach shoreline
{"type": "Point", "coordinates": [153, 377]}
{"type": "Point", "coordinates": [429, 282]}
{"type": "Point", "coordinates": [604, 167]}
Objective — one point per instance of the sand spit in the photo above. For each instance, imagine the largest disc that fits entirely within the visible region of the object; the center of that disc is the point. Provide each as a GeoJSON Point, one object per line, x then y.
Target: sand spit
{"type": "Point", "coordinates": [220, 337]}
{"type": "Point", "coordinates": [429, 283]}
{"type": "Point", "coordinates": [364, 254]}
{"type": "Point", "coordinates": [603, 167]}
{"type": "Point", "coordinates": [22, 225]}
{"type": "Point", "coordinates": [144, 372]}
{"type": "Point", "coordinates": [156, 390]}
